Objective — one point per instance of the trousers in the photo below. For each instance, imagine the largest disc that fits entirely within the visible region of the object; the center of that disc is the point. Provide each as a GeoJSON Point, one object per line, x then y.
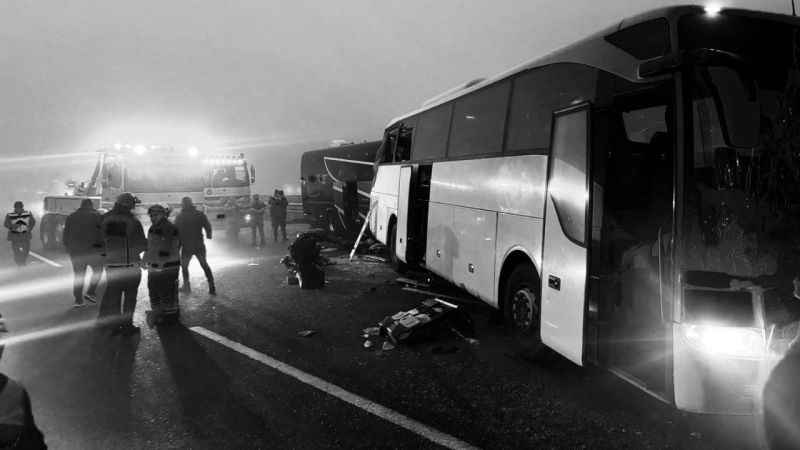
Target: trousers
{"type": "Point", "coordinates": [163, 287]}
{"type": "Point", "coordinates": [79, 265]}
{"type": "Point", "coordinates": [120, 282]}
{"type": "Point", "coordinates": [21, 248]}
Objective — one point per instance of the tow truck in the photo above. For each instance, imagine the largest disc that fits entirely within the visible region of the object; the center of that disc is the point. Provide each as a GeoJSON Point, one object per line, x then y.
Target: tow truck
{"type": "Point", "coordinates": [153, 174]}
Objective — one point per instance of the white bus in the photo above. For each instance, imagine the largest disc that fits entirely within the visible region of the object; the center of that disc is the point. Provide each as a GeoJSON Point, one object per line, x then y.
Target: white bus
{"type": "Point", "coordinates": [631, 200]}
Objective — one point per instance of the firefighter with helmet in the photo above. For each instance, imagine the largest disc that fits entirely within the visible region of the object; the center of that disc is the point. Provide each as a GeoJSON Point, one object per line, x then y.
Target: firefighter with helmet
{"type": "Point", "coordinates": [20, 225]}
{"type": "Point", "coordinates": [163, 262]}
{"type": "Point", "coordinates": [124, 241]}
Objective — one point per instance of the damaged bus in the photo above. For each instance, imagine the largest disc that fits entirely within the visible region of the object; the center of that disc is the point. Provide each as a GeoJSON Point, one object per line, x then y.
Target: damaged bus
{"type": "Point", "coordinates": [629, 201]}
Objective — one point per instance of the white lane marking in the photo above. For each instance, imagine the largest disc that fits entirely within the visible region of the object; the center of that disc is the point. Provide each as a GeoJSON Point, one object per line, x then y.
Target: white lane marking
{"type": "Point", "coordinates": [369, 406]}
{"type": "Point", "coordinates": [43, 259]}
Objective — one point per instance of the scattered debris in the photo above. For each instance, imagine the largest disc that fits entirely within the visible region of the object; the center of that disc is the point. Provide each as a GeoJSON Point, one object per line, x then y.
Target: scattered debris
{"type": "Point", "coordinates": [387, 346]}
{"type": "Point", "coordinates": [372, 331]}
{"type": "Point", "coordinates": [414, 283]}
{"type": "Point", "coordinates": [376, 249]}
{"type": "Point", "coordinates": [422, 322]}
{"type": "Point", "coordinates": [367, 344]}
{"type": "Point", "coordinates": [306, 333]}
{"type": "Point", "coordinates": [374, 258]}
{"type": "Point", "coordinates": [696, 435]}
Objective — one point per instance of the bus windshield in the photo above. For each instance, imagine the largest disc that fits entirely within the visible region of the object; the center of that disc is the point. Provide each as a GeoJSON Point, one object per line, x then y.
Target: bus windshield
{"type": "Point", "coordinates": [743, 180]}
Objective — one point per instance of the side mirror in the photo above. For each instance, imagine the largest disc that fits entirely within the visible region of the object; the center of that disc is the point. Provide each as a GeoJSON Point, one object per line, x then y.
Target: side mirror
{"type": "Point", "coordinates": [252, 174]}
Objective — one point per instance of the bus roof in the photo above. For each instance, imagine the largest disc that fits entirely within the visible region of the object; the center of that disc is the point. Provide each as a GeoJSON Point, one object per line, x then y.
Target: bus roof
{"type": "Point", "coordinates": [593, 50]}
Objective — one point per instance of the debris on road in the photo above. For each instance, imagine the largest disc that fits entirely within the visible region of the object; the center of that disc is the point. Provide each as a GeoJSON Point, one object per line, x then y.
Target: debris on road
{"type": "Point", "coordinates": [696, 435]}
{"type": "Point", "coordinates": [413, 283]}
{"type": "Point", "coordinates": [423, 322]}
{"type": "Point", "coordinates": [305, 263]}
{"type": "Point", "coordinates": [373, 258]}
{"type": "Point", "coordinates": [367, 344]}
{"type": "Point", "coordinates": [306, 333]}
{"type": "Point", "coordinates": [372, 331]}
{"type": "Point", "coordinates": [387, 346]}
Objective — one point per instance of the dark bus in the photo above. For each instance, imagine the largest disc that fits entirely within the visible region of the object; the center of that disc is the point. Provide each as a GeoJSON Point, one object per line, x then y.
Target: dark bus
{"type": "Point", "coordinates": [336, 183]}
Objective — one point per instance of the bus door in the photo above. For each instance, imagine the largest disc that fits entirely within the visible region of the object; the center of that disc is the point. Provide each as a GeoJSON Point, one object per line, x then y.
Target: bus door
{"type": "Point", "coordinates": [630, 253]}
{"type": "Point", "coordinates": [564, 255]}
{"type": "Point", "coordinates": [404, 206]}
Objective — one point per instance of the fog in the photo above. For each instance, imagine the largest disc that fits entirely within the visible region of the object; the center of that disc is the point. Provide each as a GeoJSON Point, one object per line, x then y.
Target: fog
{"type": "Point", "coordinates": [271, 79]}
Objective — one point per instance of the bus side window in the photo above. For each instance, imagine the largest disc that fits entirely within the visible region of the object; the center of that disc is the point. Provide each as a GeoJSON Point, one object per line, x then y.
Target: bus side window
{"type": "Point", "coordinates": [404, 139]}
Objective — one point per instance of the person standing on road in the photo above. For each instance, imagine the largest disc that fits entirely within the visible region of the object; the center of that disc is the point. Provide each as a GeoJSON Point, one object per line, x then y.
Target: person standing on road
{"type": "Point", "coordinates": [17, 427]}
{"type": "Point", "coordinates": [83, 240]}
{"type": "Point", "coordinates": [163, 262]}
{"type": "Point", "coordinates": [191, 223]}
{"type": "Point", "coordinates": [232, 221]}
{"type": "Point", "coordinates": [20, 225]}
{"type": "Point", "coordinates": [124, 241]}
{"type": "Point", "coordinates": [277, 213]}
{"type": "Point", "coordinates": [257, 208]}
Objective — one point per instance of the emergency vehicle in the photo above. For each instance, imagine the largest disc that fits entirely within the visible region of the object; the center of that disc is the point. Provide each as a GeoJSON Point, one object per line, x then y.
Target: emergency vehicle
{"type": "Point", "coordinates": [154, 175]}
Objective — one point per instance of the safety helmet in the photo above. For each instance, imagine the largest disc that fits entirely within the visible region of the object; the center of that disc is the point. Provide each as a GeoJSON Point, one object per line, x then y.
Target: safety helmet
{"type": "Point", "coordinates": [126, 200]}
{"type": "Point", "coordinates": [158, 208]}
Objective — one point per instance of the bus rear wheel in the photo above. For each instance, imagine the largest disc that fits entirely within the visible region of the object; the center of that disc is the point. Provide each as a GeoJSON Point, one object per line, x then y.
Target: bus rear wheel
{"type": "Point", "coordinates": [522, 309]}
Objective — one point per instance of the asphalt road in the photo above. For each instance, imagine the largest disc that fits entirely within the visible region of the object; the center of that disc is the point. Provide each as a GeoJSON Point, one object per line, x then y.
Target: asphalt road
{"type": "Point", "coordinates": [175, 388]}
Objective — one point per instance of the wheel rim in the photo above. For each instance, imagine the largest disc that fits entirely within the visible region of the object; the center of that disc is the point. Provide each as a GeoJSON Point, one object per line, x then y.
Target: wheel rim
{"type": "Point", "coordinates": [524, 309]}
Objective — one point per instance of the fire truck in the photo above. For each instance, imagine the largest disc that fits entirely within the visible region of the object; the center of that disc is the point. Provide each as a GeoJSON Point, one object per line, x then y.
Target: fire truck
{"type": "Point", "coordinates": [153, 174]}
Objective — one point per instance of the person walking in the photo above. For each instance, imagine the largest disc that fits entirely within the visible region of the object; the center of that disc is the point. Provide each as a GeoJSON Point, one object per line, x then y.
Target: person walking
{"type": "Point", "coordinates": [17, 427]}
{"type": "Point", "coordinates": [257, 208]}
{"type": "Point", "coordinates": [20, 225]}
{"type": "Point", "coordinates": [124, 241]}
{"type": "Point", "coordinates": [191, 223]}
{"type": "Point", "coordinates": [277, 213]}
{"type": "Point", "coordinates": [83, 240]}
{"type": "Point", "coordinates": [163, 262]}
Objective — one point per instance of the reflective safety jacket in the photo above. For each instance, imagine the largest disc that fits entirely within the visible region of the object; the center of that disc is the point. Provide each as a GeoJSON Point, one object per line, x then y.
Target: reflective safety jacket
{"type": "Point", "coordinates": [123, 239]}
{"type": "Point", "coordinates": [17, 428]}
{"type": "Point", "coordinates": [163, 246]}
{"type": "Point", "coordinates": [19, 225]}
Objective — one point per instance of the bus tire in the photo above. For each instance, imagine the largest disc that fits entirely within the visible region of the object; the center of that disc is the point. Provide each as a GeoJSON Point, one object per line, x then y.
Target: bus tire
{"type": "Point", "coordinates": [522, 308]}
{"type": "Point", "coordinates": [398, 265]}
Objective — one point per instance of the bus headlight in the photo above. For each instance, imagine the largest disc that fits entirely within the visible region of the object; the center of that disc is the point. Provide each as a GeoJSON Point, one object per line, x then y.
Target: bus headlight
{"type": "Point", "coordinates": [719, 340]}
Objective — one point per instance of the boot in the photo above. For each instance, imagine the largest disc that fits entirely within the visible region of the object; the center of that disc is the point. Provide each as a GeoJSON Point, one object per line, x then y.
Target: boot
{"type": "Point", "coordinates": [212, 289]}
{"type": "Point", "coordinates": [186, 288]}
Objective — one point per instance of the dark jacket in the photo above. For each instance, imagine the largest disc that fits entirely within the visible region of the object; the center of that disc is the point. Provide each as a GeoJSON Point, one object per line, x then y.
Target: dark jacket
{"type": "Point", "coordinates": [191, 223]}
{"type": "Point", "coordinates": [163, 245]}
{"type": "Point", "coordinates": [123, 238]}
{"type": "Point", "coordinates": [82, 233]}
{"type": "Point", "coordinates": [257, 211]}
{"type": "Point", "coordinates": [17, 427]}
{"type": "Point", "coordinates": [20, 225]}
{"type": "Point", "coordinates": [277, 208]}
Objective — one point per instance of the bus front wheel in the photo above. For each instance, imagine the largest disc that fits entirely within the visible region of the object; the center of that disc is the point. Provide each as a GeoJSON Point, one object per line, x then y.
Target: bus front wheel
{"type": "Point", "coordinates": [522, 308]}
